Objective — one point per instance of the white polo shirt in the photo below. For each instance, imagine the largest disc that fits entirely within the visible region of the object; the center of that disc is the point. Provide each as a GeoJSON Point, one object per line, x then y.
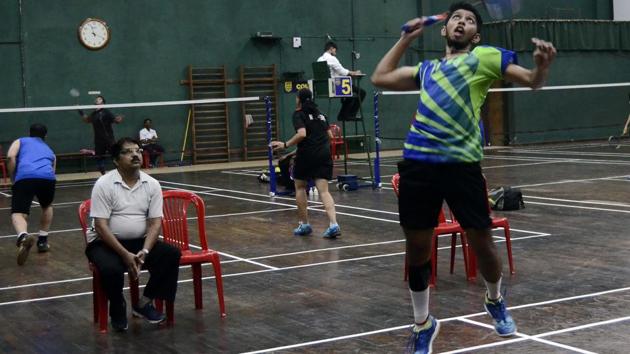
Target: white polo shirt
{"type": "Point", "coordinates": [336, 69]}
{"type": "Point", "coordinates": [126, 208]}
{"type": "Point", "coordinates": [147, 134]}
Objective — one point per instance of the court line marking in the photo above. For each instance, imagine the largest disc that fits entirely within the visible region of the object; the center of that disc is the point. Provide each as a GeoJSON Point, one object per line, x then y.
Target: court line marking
{"type": "Point", "coordinates": [311, 208]}
{"type": "Point", "coordinates": [460, 318]}
{"type": "Point", "coordinates": [54, 205]}
{"type": "Point", "coordinates": [565, 181]}
{"type": "Point", "coordinates": [190, 218]}
{"type": "Point", "coordinates": [519, 334]}
{"type": "Point", "coordinates": [580, 207]}
{"type": "Point", "coordinates": [594, 202]}
{"type": "Point", "coordinates": [247, 260]}
{"type": "Point", "coordinates": [268, 269]}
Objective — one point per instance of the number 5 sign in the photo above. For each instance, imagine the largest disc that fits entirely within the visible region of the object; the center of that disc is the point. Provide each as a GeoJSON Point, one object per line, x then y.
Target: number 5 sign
{"type": "Point", "coordinates": [340, 86]}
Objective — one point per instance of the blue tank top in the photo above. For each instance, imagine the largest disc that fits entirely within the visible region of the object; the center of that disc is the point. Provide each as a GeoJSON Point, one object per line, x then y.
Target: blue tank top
{"type": "Point", "coordinates": [35, 160]}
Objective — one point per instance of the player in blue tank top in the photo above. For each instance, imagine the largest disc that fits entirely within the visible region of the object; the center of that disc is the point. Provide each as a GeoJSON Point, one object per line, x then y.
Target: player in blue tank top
{"type": "Point", "coordinates": [31, 165]}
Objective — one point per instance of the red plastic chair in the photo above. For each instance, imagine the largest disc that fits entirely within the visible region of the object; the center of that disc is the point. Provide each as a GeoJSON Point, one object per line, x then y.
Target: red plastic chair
{"type": "Point", "coordinates": [337, 139]}
{"type": "Point", "coordinates": [3, 166]}
{"type": "Point", "coordinates": [497, 222]}
{"type": "Point", "coordinates": [146, 159]}
{"type": "Point", "coordinates": [443, 228]}
{"type": "Point", "coordinates": [99, 298]}
{"type": "Point", "coordinates": [175, 231]}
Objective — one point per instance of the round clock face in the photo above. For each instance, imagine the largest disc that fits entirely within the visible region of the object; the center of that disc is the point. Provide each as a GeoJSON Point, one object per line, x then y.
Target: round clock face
{"type": "Point", "coordinates": [94, 33]}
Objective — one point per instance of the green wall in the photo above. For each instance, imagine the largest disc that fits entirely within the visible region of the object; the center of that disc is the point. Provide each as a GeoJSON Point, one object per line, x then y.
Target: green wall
{"type": "Point", "coordinates": [154, 41]}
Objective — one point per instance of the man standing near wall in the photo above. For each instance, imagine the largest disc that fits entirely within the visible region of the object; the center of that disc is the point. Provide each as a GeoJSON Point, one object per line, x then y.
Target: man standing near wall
{"type": "Point", "coordinates": [31, 166]}
{"type": "Point", "coordinates": [102, 120]}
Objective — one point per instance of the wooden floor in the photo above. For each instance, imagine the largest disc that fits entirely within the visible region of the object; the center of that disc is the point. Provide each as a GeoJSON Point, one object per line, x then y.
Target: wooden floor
{"type": "Point", "coordinates": [570, 293]}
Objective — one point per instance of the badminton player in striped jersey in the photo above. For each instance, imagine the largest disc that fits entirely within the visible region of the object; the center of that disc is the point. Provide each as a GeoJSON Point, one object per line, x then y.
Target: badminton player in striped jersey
{"type": "Point", "coordinates": [442, 152]}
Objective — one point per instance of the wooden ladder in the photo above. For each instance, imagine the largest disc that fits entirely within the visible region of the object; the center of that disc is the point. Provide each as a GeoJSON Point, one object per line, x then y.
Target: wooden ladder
{"type": "Point", "coordinates": [258, 81]}
{"type": "Point", "coordinates": [210, 125]}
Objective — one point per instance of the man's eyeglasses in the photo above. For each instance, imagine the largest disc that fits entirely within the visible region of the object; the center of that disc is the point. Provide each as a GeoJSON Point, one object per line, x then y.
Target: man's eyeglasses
{"type": "Point", "coordinates": [131, 151]}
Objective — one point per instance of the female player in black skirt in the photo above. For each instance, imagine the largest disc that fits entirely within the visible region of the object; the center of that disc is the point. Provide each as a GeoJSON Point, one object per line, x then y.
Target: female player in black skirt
{"type": "Point", "coordinates": [312, 162]}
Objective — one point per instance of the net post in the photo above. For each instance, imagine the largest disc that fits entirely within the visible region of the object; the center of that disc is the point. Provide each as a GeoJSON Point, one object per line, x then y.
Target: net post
{"type": "Point", "coordinates": [377, 144]}
{"type": "Point", "coordinates": [272, 170]}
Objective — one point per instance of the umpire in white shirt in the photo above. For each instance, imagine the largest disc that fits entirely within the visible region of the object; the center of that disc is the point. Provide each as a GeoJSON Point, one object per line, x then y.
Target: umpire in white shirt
{"type": "Point", "coordinates": [350, 105]}
{"type": "Point", "coordinates": [127, 213]}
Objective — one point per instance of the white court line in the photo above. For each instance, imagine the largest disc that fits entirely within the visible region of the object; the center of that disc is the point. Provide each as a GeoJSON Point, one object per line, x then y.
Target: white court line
{"type": "Point", "coordinates": [522, 164]}
{"type": "Point", "coordinates": [570, 181]}
{"type": "Point", "coordinates": [54, 205]}
{"type": "Point", "coordinates": [281, 198]}
{"type": "Point", "coordinates": [249, 260]}
{"type": "Point", "coordinates": [594, 202]}
{"type": "Point", "coordinates": [521, 335]}
{"type": "Point", "coordinates": [560, 152]}
{"type": "Point", "coordinates": [458, 318]}
{"type": "Point", "coordinates": [190, 218]}
{"type": "Point", "coordinates": [240, 173]}
{"type": "Point", "coordinates": [580, 207]}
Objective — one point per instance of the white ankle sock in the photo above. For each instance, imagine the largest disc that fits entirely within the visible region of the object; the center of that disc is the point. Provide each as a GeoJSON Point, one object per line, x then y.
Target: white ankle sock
{"type": "Point", "coordinates": [43, 233]}
{"type": "Point", "coordinates": [494, 289]}
{"type": "Point", "coordinates": [420, 302]}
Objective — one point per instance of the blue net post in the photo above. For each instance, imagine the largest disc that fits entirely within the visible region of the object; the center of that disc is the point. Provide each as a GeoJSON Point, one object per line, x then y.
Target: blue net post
{"type": "Point", "coordinates": [272, 170]}
{"type": "Point", "coordinates": [377, 144]}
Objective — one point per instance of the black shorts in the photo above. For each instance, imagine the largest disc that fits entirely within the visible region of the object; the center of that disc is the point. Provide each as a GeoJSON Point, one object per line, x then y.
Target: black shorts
{"type": "Point", "coordinates": [318, 167]}
{"type": "Point", "coordinates": [424, 186]}
{"type": "Point", "coordinates": [25, 189]}
{"type": "Point", "coordinates": [102, 148]}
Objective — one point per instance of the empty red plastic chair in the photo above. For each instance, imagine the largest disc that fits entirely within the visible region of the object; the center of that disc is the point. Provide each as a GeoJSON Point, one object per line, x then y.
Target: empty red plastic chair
{"type": "Point", "coordinates": [99, 299]}
{"type": "Point", "coordinates": [175, 232]}
{"type": "Point", "coordinates": [3, 167]}
{"type": "Point", "coordinates": [337, 139]}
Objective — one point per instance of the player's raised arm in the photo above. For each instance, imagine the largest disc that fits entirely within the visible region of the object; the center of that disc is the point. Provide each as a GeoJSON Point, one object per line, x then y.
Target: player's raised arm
{"type": "Point", "coordinates": [387, 73]}
{"type": "Point", "coordinates": [544, 54]}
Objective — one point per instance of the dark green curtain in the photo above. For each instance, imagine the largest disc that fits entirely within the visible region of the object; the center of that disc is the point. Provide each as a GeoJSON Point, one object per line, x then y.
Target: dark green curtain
{"type": "Point", "coordinates": [580, 35]}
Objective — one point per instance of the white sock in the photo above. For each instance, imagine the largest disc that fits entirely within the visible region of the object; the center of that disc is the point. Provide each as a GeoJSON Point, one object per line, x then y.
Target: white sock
{"type": "Point", "coordinates": [143, 301]}
{"type": "Point", "coordinates": [494, 289]}
{"type": "Point", "coordinates": [43, 233]}
{"type": "Point", "coordinates": [420, 302]}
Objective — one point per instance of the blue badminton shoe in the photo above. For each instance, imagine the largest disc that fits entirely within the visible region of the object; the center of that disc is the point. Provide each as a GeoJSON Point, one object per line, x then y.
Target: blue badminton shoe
{"type": "Point", "coordinates": [503, 323]}
{"type": "Point", "coordinates": [303, 230]}
{"type": "Point", "coordinates": [421, 339]}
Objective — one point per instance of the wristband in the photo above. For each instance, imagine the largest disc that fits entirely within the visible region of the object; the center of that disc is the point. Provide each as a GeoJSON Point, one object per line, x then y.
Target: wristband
{"type": "Point", "coordinates": [145, 251]}
{"type": "Point", "coordinates": [285, 144]}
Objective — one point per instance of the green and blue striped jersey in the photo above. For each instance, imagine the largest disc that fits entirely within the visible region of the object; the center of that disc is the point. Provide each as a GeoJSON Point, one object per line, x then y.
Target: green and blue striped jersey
{"type": "Point", "coordinates": [446, 125]}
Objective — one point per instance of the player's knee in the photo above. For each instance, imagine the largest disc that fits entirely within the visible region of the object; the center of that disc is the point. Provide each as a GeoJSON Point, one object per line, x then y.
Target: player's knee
{"type": "Point", "coordinates": [419, 276]}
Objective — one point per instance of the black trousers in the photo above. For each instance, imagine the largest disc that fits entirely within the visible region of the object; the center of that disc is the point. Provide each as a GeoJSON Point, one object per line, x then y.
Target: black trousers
{"type": "Point", "coordinates": [162, 263]}
{"type": "Point", "coordinates": [350, 105]}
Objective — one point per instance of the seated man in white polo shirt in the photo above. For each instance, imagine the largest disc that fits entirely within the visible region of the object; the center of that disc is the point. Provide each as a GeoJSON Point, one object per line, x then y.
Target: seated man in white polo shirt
{"type": "Point", "coordinates": [127, 212]}
{"type": "Point", "coordinates": [349, 105]}
{"type": "Point", "coordinates": [148, 140]}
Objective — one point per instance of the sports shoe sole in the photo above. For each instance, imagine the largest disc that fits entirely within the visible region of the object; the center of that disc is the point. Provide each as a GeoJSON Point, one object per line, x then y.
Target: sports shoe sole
{"type": "Point", "coordinates": [24, 248]}
{"type": "Point", "coordinates": [139, 315]}
{"type": "Point", "coordinates": [335, 235]}
{"type": "Point", "coordinates": [495, 330]}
